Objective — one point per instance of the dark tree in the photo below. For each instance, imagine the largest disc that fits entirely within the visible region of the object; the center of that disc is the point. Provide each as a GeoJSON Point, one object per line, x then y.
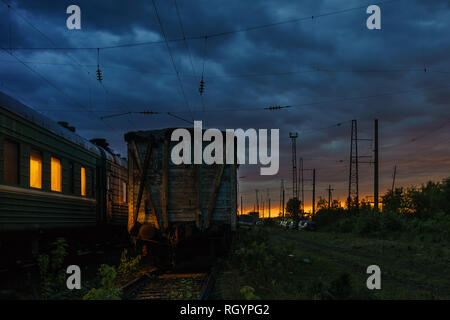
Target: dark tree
{"type": "Point", "coordinates": [293, 208]}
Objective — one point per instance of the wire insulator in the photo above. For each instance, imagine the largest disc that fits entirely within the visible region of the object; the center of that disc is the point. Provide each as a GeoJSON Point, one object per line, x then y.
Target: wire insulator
{"type": "Point", "coordinates": [202, 87]}
{"type": "Point", "coordinates": [99, 74]}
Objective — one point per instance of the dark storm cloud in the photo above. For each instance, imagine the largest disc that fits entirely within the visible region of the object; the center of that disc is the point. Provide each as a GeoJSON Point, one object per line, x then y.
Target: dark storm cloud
{"type": "Point", "coordinates": [335, 60]}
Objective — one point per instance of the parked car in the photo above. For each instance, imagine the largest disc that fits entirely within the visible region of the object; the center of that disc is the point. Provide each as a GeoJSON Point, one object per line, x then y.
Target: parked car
{"type": "Point", "coordinates": [307, 225]}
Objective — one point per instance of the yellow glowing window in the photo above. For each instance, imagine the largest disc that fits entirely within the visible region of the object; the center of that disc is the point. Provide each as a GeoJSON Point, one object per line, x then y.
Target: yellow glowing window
{"type": "Point", "coordinates": [83, 181]}
{"type": "Point", "coordinates": [35, 170]}
{"type": "Point", "coordinates": [56, 174]}
{"type": "Point", "coordinates": [124, 192]}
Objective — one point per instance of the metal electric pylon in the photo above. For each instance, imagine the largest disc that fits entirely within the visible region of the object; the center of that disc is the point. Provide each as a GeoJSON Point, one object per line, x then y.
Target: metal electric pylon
{"type": "Point", "coordinates": [353, 191]}
{"type": "Point", "coordinates": [293, 137]}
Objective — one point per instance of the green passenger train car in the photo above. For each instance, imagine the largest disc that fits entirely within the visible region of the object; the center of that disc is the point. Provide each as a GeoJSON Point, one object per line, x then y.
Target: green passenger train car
{"type": "Point", "coordinates": [53, 180]}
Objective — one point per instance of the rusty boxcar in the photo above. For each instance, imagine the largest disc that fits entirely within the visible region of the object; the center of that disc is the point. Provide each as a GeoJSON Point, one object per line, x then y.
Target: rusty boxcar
{"type": "Point", "coordinates": [172, 204]}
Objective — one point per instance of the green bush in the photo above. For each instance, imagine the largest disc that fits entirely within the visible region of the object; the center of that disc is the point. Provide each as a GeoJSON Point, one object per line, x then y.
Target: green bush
{"type": "Point", "coordinates": [127, 264]}
{"type": "Point", "coordinates": [52, 274]}
{"type": "Point", "coordinates": [107, 289]}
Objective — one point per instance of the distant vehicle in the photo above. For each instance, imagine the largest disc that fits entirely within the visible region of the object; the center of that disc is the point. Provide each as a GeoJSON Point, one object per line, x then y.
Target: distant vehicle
{"type": "Point", "coordinates": [254, 214]}
{"type": "Point", "coordinates": [288, 224]}
{"type": "Point", "coordinates": [259, 223]}
{"type": "Point", "coordinates": [307, 225]}
{"type": "Point", "coordinates": [246, 221]}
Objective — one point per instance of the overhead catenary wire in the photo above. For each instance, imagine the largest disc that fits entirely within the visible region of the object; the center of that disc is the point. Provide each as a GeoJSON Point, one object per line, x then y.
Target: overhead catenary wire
{"type": "Point", "coordinates": [412, 91]}
{"type": "Point", "coordinates": [418, 137]}
{"type": "Point", "coordinates": [218, 34]}
{"type": "Point", "coordinates": [246, 75]}
{"type": "Point", "coordinates": [43, 35]}
{"type": "Point", "coordinates": [171, 58]}
{"type": "Point", "coordinates": [147, 113]}
{"type": "Point", "coordinates": [184, 36]}
{"type": "Point", "coordinates": [52, 43]}
{"type": "Point", "coordinates": [48, 81]}
{"type": "Point", "coordinates": [188, 50]}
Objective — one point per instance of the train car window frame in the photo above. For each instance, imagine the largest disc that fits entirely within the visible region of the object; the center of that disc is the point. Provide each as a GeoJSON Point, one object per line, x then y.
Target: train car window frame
{"type": "Point", "coordinates": [36, 166]}
{"type": "Point", "coordinates": [11, 164]}
{"type": "Point", "coordinates": [83, 181]}
{"type": "Point", "coordinates": [55, 177]}
{"type": "Point", "coordinates": [92, 182]}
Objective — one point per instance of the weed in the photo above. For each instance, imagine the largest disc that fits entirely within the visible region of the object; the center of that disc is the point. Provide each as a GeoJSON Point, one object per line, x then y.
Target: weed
{"type": "Point", "coordinates": [107, 289]}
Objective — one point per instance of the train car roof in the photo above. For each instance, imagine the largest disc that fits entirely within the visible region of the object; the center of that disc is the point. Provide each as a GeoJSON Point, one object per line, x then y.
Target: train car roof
{"type": "Point", "coordinates": [39, 119]}
{"type": "Point", "coordinates": [114, 157]}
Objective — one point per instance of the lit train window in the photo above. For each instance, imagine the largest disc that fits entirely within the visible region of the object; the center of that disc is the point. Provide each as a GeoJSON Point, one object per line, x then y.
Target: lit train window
{"type": "Point", "coordinates": [11, 162]}
{"type": "Point", "coordinates": [83, 181]}
{"type": "Point", "coordinates": [124, 192]}
{"type": "Point", "coordinates": [35, 169]}
{"type": "Point", "coordinates": [56, 184]}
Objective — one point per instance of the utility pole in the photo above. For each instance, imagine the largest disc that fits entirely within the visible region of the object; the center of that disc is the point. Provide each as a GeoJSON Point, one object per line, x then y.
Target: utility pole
{"type": "Point", "coordinates": [242, 207]}
{"type": "Point", "coordinates": [329, 196]}
{"type": "Point", "coordinates": [353, 192]}
{"type": "Point", "coordinates": [281, 194]}
{"type": "Point", "coordinates": [293, 137]}
{"type": "Point", "coordinates": [269, 207]}
{"type": "Point", "coordinates": [257, 201]}
{"type": "Point", "coordinates": [393, 178]}
{"type": "Point", "coordinates": [262, 208]}
{"type": "Point", "coordinates": [314, 192]}
{"type": "Point", "coordinates": [283, 202]}
{"type": "Point", "coordinates": [302, 185]}
{"type": "Point", "coordinates": [375, 174]}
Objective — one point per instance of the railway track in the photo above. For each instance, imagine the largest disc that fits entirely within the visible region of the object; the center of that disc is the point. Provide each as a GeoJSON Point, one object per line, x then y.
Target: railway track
{"type": "Point", "coordinates": [156, 284]}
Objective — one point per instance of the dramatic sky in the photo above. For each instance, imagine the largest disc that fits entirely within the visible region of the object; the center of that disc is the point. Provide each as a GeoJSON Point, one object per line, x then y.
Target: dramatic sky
{"type": "Point", "coordinates": [330, 70]}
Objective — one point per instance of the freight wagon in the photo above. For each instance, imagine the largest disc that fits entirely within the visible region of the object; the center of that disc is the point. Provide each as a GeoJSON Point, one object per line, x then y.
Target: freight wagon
{"type": "Point", "coordinates": [52, 181]}
{"type": "Point", "coordinates": [172, 206]}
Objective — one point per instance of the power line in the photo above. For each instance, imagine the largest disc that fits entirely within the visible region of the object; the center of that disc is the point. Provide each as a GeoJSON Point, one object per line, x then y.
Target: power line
{"type": "Point", "coordinates": [171, 58]}
{"type": "Point", "coordinates": [184, 36]}
{"type": "Point", "coordinates": [187, 48]}
{"type": "Point", "coordinates": [178, 111]}
{"type": "Point", "coordinates": [412, 91]}
{"type": "Point", "coordinates": [245, 75]}
{"type": "Point", "coordinates": [414, 139]}
{"type": "Point", "coordinates": [42, 34]}
{"type": "Point", "coordinates": [217, 34]}
{"type": "Point", "coordinates": [49, 40]}
{"type": "Point", "coordinates": [47, 81]}
{"type": "Point", "coordinates": [146, 113]}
